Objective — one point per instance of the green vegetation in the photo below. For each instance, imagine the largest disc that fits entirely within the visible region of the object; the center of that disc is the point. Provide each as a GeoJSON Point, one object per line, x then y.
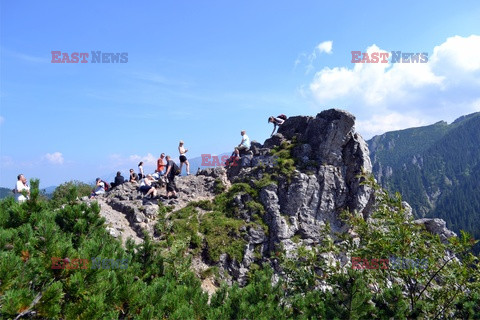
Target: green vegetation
{"type": "Point", "coordinates": [436, 169]}
{"type": "Point", "coordinates": [69, 191]}
{"type": "Point", "coordinates": [285, 161]}
{"type": "Point", "coordinates": [159, 284]}
{"type": "Point", "coordinates": [448, 288]}
{"type": "Point", "coordinates": [218, 229]}
{"type": "Point", "coordinates": [219, 186]}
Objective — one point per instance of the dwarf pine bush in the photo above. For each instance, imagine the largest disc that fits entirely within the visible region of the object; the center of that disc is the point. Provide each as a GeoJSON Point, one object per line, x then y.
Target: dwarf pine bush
{"type": "Point", "coordinates": [158, 282]}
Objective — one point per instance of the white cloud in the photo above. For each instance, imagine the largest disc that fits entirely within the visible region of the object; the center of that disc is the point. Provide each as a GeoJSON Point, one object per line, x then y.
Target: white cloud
{"type": "Point", "coordinates": [386, 96]}
{"type": "Point", "coordinates": [149, 159]}
{"type": "Point", "coordinates": [54, 158]}
{"type": "Point", "coordinates": [322, 47]}
{"type": "Point", "coordinates": [458, 52]}
{"type": "Point", "coordinates": [380, 123]}
{"type": "Point", "coordinates": [325, 46]}
{"type": "Point", "coordinates": [131, 161]}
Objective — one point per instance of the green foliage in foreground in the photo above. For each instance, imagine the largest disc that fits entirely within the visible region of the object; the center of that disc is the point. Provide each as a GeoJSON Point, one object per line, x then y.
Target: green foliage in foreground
{"type": "Point", "coordinates": [69, 191]}
{"type": "Point", "coordinates": [218, 230]}
{"type": "Point", "coordinates": [158, 283]}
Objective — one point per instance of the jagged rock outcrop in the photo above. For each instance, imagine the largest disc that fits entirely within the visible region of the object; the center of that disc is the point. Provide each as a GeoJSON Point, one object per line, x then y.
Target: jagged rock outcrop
{"type": "Point", "coordinates": [298, 201]}
{"type": "Point", "coordinates": [330, 156]}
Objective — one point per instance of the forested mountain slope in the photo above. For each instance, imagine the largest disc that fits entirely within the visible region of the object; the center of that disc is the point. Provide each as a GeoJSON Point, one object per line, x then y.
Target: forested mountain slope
{"type": "Point", "coordinates": [436, 168]}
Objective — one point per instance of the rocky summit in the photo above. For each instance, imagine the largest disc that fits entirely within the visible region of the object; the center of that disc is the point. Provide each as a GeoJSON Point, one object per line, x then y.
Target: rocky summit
{"type": "Point", "coordinates": [283, 194]}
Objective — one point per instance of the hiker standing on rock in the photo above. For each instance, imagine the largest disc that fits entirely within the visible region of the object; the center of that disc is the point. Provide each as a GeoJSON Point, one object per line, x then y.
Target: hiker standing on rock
{"type": "Point", "coordinates": [161, 165]}
{"type": "Point", "coordinates": [183, 158]}
{"type": "Point", "coordinates": [141, 175]}
{"type": "Point", "coordinates": [278, 121]}
{"type": "Point", "coordinates": [172, 171]}
{"type": "Point", "coordinates": [20, 188]}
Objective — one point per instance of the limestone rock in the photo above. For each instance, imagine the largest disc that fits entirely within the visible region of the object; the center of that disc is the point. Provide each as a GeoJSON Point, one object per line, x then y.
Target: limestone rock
{"type": "Point", "coordinates": [437, 226]}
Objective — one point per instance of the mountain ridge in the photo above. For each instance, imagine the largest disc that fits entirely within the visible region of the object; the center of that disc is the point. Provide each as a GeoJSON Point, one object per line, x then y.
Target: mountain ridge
{"type": "Point", "coordinates": [433, 174]}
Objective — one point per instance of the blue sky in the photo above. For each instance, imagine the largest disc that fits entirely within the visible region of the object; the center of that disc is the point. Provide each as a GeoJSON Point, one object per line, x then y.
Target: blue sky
{"type": "Point", "coordinates": [202, 71]}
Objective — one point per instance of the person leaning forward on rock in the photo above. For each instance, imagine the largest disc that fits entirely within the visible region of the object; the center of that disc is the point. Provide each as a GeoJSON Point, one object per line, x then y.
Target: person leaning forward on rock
{"type": "Point", "coordinates": [277, 122]}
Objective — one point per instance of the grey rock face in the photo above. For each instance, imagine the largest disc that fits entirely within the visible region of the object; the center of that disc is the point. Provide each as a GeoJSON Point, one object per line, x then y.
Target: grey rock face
{"type": "Point", "coordinates": [437, 226]}
{"type": "Point", "coordinates": [330, 156]}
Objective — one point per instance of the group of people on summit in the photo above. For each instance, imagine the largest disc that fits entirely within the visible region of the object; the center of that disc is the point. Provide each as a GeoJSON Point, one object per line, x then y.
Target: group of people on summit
{"type": "Point", "coordinates": [165, 172]}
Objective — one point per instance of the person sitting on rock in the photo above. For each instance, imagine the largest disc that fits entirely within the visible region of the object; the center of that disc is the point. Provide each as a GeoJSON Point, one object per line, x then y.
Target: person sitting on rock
{"type": "Point", "coordinates": [170, 174]}
{"type": "Point", "coordinates": [133, 176]}
{"type": "Point", "coordinates": [156, 175]}
{"type": "Point", "coordinates": [119, 179]}
{"type": "Point", "coordinates": [146, 186]}
{"type": "Point", "coordinates": [277, 122]}
{"type": "Point", "coordinates": [244, 144]}
{"type": "Point", "coordinates": [99, 188]}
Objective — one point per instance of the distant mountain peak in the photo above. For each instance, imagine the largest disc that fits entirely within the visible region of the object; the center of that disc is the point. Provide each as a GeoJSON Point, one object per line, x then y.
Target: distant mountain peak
{"type": "Point", "coordinates": [466, 117]}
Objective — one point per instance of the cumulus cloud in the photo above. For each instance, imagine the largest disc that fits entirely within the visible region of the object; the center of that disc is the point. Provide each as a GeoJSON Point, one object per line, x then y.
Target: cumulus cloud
{"type": "Point", "coordinates": [309, 59]}
{"type": "Point", "coordinates": [390, 96]}
{"type": "Point", "coordinates": [325, 46]}
{"type": "Point", "coordinates": [54, 158]}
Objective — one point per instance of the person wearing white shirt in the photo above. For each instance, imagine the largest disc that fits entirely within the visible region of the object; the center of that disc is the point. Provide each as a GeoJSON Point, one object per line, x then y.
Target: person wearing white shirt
{"type": "Point", "coordinates": [99, 188]}
{"type": "Point", "coordinates": [21, 188]}
{"type": "Point", "coordinates": [244, 144]}
{"type": "Point", "coordinates": [141, 174]}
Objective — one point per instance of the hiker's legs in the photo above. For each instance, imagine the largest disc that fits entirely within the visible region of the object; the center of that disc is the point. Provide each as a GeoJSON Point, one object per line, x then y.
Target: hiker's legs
{"type": "Point", "coordinates": [241, 149]}
{"type": "Point", "coordinates": [150, 191]}
{"type": "Point", "coordinates": [171, 188]}
{"type": "Point", "coordinates": [188, 167]}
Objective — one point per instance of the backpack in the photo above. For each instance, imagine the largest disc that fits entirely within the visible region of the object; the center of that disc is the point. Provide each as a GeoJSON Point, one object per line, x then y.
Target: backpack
{"type": "Point", "coordinates": [282, 116]}
{"type": "Point", "coordinates": [106, 185]}
{"type": "Point", "coordinates": [175, 169]}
